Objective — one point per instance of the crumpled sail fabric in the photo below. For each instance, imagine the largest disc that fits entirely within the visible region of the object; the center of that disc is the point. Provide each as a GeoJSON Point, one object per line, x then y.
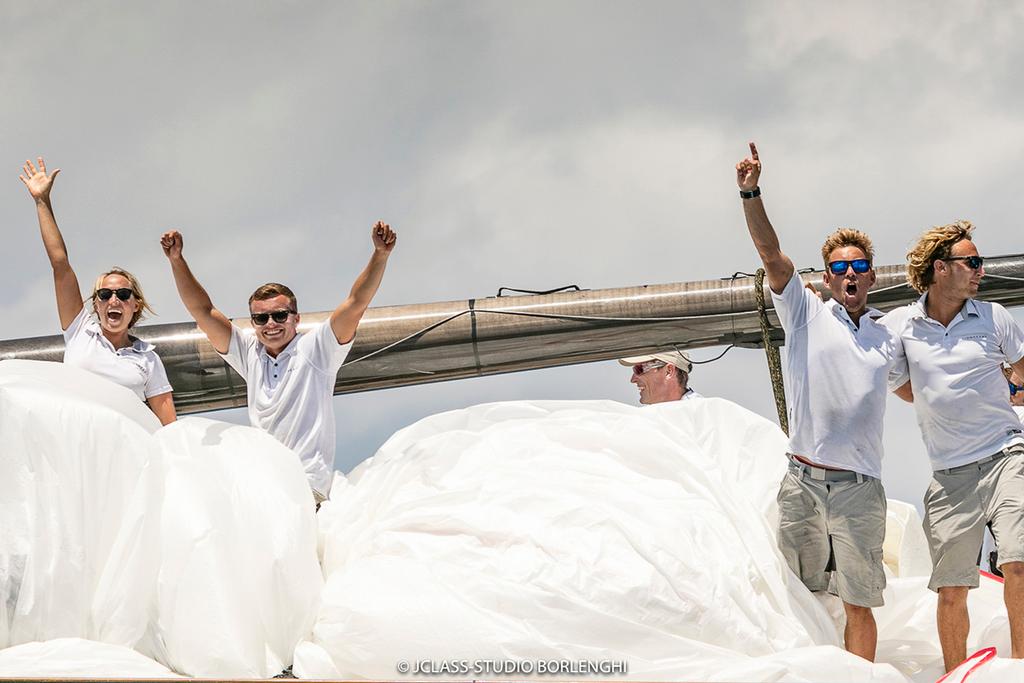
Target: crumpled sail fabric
{"type": "Point", "coordinates": [194, 544]}
{"type": "Point", "coordinates": [523, 531]}
{"type": "Point", "coordinates": [571, 530]}
{"type": "Point", "coordinates": [80, 489]}
{"type": "Point", "coordinates": [77, 658]}
{"type": "Point", "coordinates": [908, 634]}
{"type": "Point", "coordinates": [984, 667]}
{"type": "Point", "coordinates": [905, 549]}
{"type": "Point", "coordinates": [239, 581]}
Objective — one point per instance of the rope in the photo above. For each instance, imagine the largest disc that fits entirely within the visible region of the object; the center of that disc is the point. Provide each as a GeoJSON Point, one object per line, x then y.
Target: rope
{"type": "Point", "coordinates": [772, 352]}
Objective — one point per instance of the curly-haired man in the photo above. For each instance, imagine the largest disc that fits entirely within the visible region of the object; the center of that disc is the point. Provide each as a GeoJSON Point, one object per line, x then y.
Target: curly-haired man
{"type": "Point", "coordinates": [951, 351]}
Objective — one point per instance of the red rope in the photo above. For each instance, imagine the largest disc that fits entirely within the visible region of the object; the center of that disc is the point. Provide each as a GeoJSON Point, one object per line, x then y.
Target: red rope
{"type": "Point", "coordinates": [985, 654]}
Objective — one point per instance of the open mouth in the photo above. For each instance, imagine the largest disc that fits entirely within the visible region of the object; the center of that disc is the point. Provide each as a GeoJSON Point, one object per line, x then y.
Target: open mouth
{"type": "Point", "coordinates": [114, 316]}
{"type": "Point", "coordinates": [851, 288]}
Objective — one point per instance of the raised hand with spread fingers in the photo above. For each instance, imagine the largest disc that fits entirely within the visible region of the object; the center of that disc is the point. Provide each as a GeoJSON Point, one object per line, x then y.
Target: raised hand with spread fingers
{"type": "Point", "coordinates": [93, 338]}
{"type": "Point", "coordinates": [65, 282]}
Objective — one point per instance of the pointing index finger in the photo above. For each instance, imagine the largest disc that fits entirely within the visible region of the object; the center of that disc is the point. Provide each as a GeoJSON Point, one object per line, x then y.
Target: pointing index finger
{"type": "Point", "coordinates": [753, 151]}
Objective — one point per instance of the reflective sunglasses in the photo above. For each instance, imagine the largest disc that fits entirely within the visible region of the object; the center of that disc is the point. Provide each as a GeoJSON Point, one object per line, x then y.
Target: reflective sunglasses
{"type": "Point", "coordinates": [860, 265]}
{"type": "Point", "coordinates": [641, 368]}
{"type": "Point", "coordinates": [261, 319]}
{"type": "Point", "coordinates": [122, 293]}
{"type": "Point", "coordinates": [973, 262]}
{"type": "Point", "coordinates": [1014, 388]}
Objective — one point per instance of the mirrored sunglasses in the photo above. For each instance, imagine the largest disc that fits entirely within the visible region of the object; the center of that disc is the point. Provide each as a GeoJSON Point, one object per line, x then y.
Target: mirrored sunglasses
{"type": "Point", "coordinates": [859, 265]}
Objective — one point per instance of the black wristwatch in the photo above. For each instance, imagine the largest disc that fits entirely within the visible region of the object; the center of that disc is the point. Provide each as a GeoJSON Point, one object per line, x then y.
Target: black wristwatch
{"type": "Point", "coordinates": [756, 192]}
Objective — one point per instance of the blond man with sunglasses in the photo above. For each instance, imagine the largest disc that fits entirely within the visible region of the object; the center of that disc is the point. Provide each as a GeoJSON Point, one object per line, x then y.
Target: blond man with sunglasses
{"type": "Point", "coordinates": [952, 350]}
{"type": "Point", "coordinates": [290, 375]}
{"type": "Point", "coordinates": [832, 505]}
{"type": "Point", "coordinates": [97, 337]}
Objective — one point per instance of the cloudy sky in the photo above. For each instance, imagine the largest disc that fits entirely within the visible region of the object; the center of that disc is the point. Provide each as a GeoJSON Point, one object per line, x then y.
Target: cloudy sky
{"type": "Point", "coordinates": [525, 144]}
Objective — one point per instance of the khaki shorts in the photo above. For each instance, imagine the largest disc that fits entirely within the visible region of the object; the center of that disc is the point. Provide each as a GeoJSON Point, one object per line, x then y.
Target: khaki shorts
{"type": "Point", "coordinates": [831, 528]}
{"type": "Point", "coordinates": [960, 502]}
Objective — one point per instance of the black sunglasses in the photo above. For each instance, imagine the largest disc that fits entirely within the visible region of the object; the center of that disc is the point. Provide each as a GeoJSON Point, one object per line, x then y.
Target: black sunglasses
{"type": "Point", "coordinates": [261, 319]}
{"type": "Point", "coordinates": [860, 265]}
{"type": "Point", "coordinates": [122, 293]}
{"type": "Point", "coordinates": [973, 262]}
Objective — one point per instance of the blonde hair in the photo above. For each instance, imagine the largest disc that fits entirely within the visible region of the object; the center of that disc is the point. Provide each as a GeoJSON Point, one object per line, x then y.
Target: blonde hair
{"type": "Point", "coordinates": [934, 245]}
{"type": "Point", "coordinates": [847, 237]}
{"type": "Point", "coordinates": [133, 282]}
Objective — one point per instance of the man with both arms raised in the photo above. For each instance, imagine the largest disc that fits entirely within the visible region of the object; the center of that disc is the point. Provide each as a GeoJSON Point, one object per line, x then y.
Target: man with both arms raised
{"type": "Point", "coordinates": [831, 501]}
{"type": "Point", "coordinates": [289, 375]}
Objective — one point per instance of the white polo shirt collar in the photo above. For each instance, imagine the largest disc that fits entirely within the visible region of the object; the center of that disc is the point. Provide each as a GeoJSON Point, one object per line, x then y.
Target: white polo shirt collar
{"type": "Point", "coordinates": [138, 345]}
{"type": "Point", "coordinates": [839, 311]}
{"type": "Point", "coordinates": [919, 310]}
{"type": "Point", "coordinates": [283, 355]}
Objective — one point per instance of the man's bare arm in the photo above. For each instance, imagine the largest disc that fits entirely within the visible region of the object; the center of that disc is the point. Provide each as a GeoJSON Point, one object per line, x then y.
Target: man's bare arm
{"type": "Point", "coordinates": [345, 318]}
{"type": "Point", "coordinates": [906, 392]}
{"type": "Point", "coordinates": [65, 282]}
{"type": "Point", "coordinates": [214, 324]}
{"type": "Point", "coordinates": [162, 406]}
{"type": "Point", "coordinates": [778, 267]}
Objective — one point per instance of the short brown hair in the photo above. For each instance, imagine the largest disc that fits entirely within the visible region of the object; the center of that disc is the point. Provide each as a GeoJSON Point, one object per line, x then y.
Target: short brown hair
{"type": "Point", "coordinates": [847, 237]}
{"type": "Point", "coordinates": [934, 244]}
{"type": "Point", "coordinates": [133, 282]}
{"type": "Point", "coordinates": [272, 289]}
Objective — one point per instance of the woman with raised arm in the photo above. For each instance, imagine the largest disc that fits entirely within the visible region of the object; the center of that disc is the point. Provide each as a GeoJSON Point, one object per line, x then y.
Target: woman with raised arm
{"type": "Point", "coordinates": [97, 336]}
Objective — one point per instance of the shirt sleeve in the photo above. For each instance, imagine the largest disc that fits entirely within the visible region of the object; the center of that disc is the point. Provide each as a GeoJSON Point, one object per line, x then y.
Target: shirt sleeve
{"type": "Point", "coordinates": [899, 371]}
{"type": "Point", "coordinates": [796, 305]}
{"type": "Point", "coordinates": [322, 349]}
{"type": "Point", "coordinates": [899, 368]}
{"type": "Point", "coordinates": [239, 348]}
{"type": "Point", "coordinates": [1011, 339]}
{"type": "Point", "coordinates": [157, 382]}
{"type": "Point", "coordinates": [79, 325]}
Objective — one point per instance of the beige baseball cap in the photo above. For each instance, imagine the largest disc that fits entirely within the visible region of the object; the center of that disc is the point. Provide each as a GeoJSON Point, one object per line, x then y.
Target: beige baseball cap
{"type": "Point", "coordinates": [680, 359]}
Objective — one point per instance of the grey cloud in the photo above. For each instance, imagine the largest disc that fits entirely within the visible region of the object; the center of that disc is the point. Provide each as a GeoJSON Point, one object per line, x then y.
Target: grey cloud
{"type": "Point", "coordinates": [530, 144]}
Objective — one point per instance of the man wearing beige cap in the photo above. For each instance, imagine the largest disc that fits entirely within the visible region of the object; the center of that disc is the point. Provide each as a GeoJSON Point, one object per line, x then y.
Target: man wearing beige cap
{"type": "Point", "coordinates": [662, 376]}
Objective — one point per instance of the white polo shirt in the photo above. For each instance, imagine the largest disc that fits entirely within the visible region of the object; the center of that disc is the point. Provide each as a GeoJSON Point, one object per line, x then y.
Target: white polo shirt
{"type": "Point", "coordinates": [835, 374]}
{"type": "Point", "coordinates": [136, 367]}
{"type": "Point", "coordinates": [290, 396]}
{"type": "Point", "coordinates": [956, 372]}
